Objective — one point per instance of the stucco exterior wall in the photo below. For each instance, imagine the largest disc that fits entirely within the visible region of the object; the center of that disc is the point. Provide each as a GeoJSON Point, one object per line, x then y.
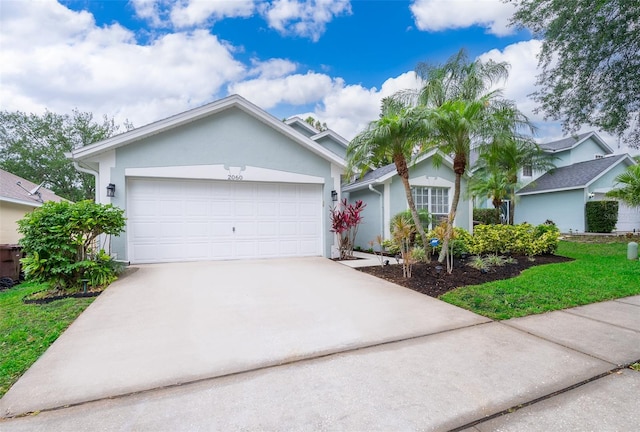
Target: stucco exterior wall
{"type": "Point", "coordinates": [333, 146]}
{"type": "Point", "coordinates": [10, 213]}
{"type": "Point", "coordinates": [371, 225]}
{"type": "Point", "coordinates": [565, 209]}
{"type": "Point", "coordinates": [232, 138]}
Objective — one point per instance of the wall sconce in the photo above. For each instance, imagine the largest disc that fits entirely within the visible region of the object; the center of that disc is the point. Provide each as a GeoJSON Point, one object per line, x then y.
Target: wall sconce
{"type": "Point", "coordinates": [591, 195]}
{"type": "Point", "coordinates": [111, 190]}
{"type": "Point", "coordinates": [334, 196]}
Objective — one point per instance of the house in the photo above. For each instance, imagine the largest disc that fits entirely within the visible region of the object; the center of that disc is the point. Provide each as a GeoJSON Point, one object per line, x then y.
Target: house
{"type": "Point", "coordinates": [383, 192]}
{"type": "Point", "coordinates": [585, 170]}
{"type": "Point", "coordinates": [18, 197]}
{"type": "Point", "coordinates": [223, 181]}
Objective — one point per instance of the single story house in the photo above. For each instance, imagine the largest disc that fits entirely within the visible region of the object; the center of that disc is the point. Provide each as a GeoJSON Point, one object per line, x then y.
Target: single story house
{"type": "Point", "coordinates": [383, 192]}
{"type": "Point", "coordinates": [18, 197]}
{"type": "Point", "coordinates": [223, 181]}
{"type": "Point", "coordinates": [586, 169]}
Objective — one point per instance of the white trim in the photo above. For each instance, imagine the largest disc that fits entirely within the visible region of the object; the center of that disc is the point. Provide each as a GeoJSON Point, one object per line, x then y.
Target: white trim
{"type": "Point", "coordinates": [331, 134]}
{"type": "Point", "coordinates": [223, 172]}
{"type": "Point", "coordinates": [427, 181]}
{"type": "Point", "coordinates": [199, 113]}
{"type": "Point", "coordinates": [17, 201]}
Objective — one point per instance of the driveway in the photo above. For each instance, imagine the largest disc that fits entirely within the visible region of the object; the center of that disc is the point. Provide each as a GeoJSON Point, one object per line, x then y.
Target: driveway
{"type": "Point", "coordinates": [170, 324]}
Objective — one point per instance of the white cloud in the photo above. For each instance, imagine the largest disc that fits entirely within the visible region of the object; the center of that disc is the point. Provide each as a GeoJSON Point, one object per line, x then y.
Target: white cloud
{"type": "Point", "coordinates": [305, 18]}
{"type": "Point", "coordinates": [272, 68]}
{"type": "Point", "coordinates": [58, 59]}
{"type": "Point", "coordinates": [195, 12]}
{"type": "Point", "coordinates": [437, 15]}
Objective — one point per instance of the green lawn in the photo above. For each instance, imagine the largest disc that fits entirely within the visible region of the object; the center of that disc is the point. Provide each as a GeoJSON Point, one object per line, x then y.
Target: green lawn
{"type": "Point", "coordinates": [27, 330]}
{"type": "Point", "coordinates": [601, 271]}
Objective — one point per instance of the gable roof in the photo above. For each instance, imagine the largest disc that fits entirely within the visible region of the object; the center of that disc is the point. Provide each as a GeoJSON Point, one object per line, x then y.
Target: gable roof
{"type": "Point", "coordinates": [576, 176]}
{"type": "Point", "coordinates": [233, 101]}
{"type": "Point", "coordinates": [384, 173]}
{"type": "Point", "coordinates": [574, 141]}
{"type": "Point", "coordinates": [297, 121]}
{"type": "Point", "coordinates": [333, 135]}
{"type": "Point", "coordinates": [10, 191]}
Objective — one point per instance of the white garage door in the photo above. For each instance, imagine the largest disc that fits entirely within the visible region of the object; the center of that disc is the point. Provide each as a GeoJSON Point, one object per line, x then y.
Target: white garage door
{"type": "Point", "coordinates": [191, 220]}
{"type": "Point", "coordinates": [628, 218]}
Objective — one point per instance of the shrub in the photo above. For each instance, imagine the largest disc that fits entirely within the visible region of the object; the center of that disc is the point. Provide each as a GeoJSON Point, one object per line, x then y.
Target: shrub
{"type": "Point", "coordinates": [58, 240]}
{"type": "Point", "coordinates": [345, 220]}
{"type": "Point", "coordinates": [425, 219]}
{"type": "Point", "coordinates": [460, 241]}
{"type": "Point", "coordinates": [602, 216]}
{"type": "Point", "coordinates": [522, 239]}
{"type": "Point", "coordinates": [486, 216]}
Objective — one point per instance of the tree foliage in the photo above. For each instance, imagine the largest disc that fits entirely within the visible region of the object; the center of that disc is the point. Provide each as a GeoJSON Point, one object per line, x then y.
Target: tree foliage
{"type": "Point", "coordinates": [590, 62]}
{"type": "Point", "coordinates": [59, 242]}
{"type": "Point", "coordinates": [321, 127]}
{"type": "Point", "coordinates": [627, 187]}
{"type": "Point", "coordinates": [33, 147]}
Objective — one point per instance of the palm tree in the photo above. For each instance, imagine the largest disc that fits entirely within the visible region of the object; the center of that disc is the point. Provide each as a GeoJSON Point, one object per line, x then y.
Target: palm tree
{"type": "Point", "coordinates": [393, 138]}
{"type": "Point", "coordinates": [509, 157]}
{"type": "Point", "coordinates": [460, 110]}
{"type": "Point", "coordinates": [490, 184]}
{"type": "Point", "coordinates": [629, 186]}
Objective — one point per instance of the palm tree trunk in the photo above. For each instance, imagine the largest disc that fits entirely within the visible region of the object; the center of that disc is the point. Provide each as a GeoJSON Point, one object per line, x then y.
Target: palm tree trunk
{"type": "Point", "coordinates": [403, 173]}
{"type": "Point", "coordinates": [452, 215]}
{"type": "Point", "coordinates": [512, 208]}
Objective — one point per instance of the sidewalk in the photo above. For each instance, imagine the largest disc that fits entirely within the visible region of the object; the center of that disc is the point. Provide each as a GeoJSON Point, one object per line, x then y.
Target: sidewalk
{"type": "Point", "coordinates": [564, 367]}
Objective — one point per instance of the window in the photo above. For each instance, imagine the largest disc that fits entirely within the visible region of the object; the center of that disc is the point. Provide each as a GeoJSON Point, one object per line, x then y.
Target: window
{"type": "Point", "coordinates": [527, 171]}
{"type": "Point", "coordinates": [434, 200]}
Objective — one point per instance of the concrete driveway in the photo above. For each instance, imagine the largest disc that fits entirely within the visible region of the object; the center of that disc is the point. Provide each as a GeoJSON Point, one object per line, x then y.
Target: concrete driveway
{"type": "Point", "coordinates": [170, 324]}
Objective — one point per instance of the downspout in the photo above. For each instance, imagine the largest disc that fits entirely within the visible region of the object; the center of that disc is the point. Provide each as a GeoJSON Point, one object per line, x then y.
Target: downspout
{"type": "Point", "coordinates": [94, 173]}
{"type": "Point", "coordinates": [372, 189]}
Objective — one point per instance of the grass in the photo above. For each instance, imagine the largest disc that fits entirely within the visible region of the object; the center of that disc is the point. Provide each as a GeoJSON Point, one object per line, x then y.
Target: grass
{"type": "Point", "coordinates": [27, 330]}
{"type": "Point", "coordinates": [601, 271]}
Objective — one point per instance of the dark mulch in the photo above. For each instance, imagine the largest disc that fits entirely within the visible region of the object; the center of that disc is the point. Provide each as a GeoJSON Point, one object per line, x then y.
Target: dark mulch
{"type": "Point", "coordinates": [48, 298]}
{"type": "Point", "coordinates": [427, 280]}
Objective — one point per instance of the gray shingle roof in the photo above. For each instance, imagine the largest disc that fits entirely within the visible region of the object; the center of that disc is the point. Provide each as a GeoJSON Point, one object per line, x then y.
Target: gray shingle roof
{"type": "Point", "coordinates": [371, 176]}
{"type": "Point", "coordinates": [564, 143]}
{"type": "Point", "coordinates": [572, 176]}
{"type": "Point", "coordinates": [9, 190]}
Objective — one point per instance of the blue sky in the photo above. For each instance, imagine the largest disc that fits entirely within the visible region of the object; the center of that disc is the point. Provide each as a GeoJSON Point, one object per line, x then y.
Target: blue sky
{"type": "Point", "coordinates": [144, 60]}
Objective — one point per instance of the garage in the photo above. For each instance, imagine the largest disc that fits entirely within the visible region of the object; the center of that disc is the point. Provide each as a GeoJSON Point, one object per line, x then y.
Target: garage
{"type": "Point", "coordinates": [193, 220]}
{"type": "Point", "coordinates": [628, 218]}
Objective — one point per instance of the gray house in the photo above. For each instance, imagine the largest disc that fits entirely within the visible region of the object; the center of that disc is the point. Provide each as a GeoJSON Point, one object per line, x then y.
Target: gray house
{"type": "Point", "coordinates": [586, 169]}
{"type": "Point", "coordinates": [223, 181]}
{"type": "Point", "coordinates": [384, 193]}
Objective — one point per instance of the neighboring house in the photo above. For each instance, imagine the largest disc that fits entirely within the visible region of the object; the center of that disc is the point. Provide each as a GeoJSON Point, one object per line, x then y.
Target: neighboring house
{"type": "Point", "coordinates": [223, 181]}
{"type": "Point", "coordinates": [383, 192]}
{"type": "Point", "coordinates": [17, 198]}
{"type": "Point", "coordinates": [586, 169]}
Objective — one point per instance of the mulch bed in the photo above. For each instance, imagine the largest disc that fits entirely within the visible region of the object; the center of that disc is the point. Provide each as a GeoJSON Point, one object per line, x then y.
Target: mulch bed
{"type": "Point", "coordinates": [50, 298]}
{"type": "Point", "coordinates": [427, 280]}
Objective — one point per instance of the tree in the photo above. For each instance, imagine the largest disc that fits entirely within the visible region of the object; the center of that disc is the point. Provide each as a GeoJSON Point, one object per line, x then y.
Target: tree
{"type": "Point", "coordinates": [509, 158]}
{"type": "Point", "coordinates": [492, 184]}
{"type": "Point", "coordinates": [590, 61]}
{"type": "Point", "coordinates": [628, 189]}
{"type": "Point", "coordinates": [321, 127]}
{"type": "Point", "coordinates": [460, 111]}
{"type": "Point", "coordinates": [393, 138]}
{"type": "Point", "coordinates": [33, 147]}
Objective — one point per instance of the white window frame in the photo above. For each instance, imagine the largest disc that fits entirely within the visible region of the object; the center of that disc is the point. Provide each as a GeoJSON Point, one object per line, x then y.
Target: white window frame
{"type": "Point", "coordinates": [432, 201]}
{"type": "Point", "coordinates": [527, 171]}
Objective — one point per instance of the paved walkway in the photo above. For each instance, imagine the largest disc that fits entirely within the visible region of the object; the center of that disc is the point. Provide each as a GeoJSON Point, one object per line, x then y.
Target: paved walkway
{"type": "Point", "coordinates": [564, 367]}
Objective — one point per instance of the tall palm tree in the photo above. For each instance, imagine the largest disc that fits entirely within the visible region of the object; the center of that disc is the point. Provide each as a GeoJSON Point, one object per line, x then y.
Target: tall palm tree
{"type": "Point", "coordinates": [628, 189]}
{"type": "Point", "coordinates": [509, 157]}
{"type": "Point", "coordinates": [460, 110]}
{"type": "Point", "coordinates": [393, 138]}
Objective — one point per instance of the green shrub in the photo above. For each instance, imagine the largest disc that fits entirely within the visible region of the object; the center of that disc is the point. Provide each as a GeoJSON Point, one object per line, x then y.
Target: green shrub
{"type": "Point", "coordinates": [602, 216]}
{"type": "Point", "coordinates": [460, 242]}
{"type": "Point", "coordinates": [425, 219]}
{"type": "Point", "coordinates": [489, 216]}
{"type": "Point", "coordinates": [522, 239]}
{"type": "Point", "coordinates": [59, 238]}
{"type": "Point", "coordinates": [391, 247]}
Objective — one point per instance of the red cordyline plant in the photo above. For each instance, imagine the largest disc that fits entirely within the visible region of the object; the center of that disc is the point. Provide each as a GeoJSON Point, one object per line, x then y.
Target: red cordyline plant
{"type": "Point", "coordinates": [345, 219]}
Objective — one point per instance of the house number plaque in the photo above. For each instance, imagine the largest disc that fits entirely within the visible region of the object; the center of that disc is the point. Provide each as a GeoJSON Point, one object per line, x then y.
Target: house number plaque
{"type": "Point", "coordinates": [234, 173]}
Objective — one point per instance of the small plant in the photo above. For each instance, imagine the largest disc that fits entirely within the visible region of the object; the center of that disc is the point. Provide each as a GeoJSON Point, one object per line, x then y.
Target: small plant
{"type": "Point", "coordinates": [380, 254]}
{"type": "Point", "coordinates": [391, 247]}
{"type": "Point", "coordinates": [479, 263]}
{"type": "Point", "coordinates": [495, 260]}
{"type": "Point", "coordinates": [402, 233]}
{"type": "Point", "coordinates": [345, 219]}
{"type": "Point", "coordinates": [418, 254]}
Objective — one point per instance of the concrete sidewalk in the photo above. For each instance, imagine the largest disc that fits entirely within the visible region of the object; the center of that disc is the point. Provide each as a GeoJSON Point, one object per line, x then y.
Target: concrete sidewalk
{"type": "Point", "coordinates": [463, 376]}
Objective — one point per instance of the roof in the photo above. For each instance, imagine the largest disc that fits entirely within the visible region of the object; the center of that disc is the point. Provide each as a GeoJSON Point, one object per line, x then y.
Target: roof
{"type": "Point", "coordinates": [576, 176]}
{"type": "Point", "coordinates": [10, 191]}
{"type": "Point", "coordinates": [574, 141]}
{"type": "Point", "coordinates": [386, 172]}
{"type": "Point", "coordinates": [233, 101]}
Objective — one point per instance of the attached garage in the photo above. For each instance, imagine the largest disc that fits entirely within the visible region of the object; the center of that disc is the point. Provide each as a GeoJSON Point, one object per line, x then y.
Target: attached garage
{"type": "Point", "coordinates": [223, 181]}
{"type": "Point", "coordinates": [185, 220]}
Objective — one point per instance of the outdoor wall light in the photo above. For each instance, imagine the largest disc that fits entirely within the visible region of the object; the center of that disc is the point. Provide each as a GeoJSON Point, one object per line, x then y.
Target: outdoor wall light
{"type": "Point", "coordinates": [111, 190]}
{"type": "Point", "coordinates": [334, 196]}
{"type": "Point", "coordinates": [591, 195]}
